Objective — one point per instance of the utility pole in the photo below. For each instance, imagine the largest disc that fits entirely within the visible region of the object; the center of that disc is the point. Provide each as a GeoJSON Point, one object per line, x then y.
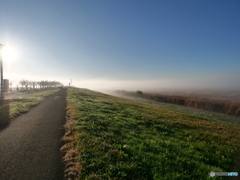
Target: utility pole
{"type": "Point", "coordinates": [1, 64]}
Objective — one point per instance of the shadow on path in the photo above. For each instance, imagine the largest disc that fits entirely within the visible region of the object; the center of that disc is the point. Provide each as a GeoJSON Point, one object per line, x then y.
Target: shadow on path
{"type": "Point", "coordinates": [30, 145]}
{"type": "Point", "coordinates": [5, 112]}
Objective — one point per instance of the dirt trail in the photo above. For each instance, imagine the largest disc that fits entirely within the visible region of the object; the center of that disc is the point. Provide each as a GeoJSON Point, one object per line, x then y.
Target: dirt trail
{"type": "Point", "coordinates": [29, 146]}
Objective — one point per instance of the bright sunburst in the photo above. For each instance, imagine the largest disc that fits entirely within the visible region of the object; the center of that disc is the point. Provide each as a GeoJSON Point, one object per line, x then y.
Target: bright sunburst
{"type": "Point", "coordinates": [9, 53]}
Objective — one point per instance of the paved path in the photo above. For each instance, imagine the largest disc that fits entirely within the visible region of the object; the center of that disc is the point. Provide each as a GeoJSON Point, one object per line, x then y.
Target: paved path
{"type": "Point", "coordinates": [29, 146]}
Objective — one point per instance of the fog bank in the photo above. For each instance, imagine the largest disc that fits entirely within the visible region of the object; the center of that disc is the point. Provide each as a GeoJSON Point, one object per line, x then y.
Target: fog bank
{"type": "Point", "coordinates": [213, 83]}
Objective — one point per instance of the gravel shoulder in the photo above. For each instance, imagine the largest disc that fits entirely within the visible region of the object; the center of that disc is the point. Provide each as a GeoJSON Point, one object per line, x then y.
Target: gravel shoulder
{"type": "Point", "coordinates": [30, 145]}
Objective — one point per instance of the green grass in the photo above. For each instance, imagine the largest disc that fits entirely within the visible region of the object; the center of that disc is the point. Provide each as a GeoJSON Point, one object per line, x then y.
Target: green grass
{"type": "Point", "coordinates": [190, 110]}
{"type": "Point", "coordinates": [114, 138]}
{"type": "Point", "coordinates": [22, 104]}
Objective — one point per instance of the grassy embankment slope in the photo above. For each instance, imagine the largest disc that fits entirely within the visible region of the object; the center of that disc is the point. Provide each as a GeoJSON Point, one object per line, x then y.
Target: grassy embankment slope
{"type": "Point", "coordinates": [114, 138]}
{"type": "Point", "coordinates": [11, 108]}
{"type": "Point", "coordinates": [185, 109]}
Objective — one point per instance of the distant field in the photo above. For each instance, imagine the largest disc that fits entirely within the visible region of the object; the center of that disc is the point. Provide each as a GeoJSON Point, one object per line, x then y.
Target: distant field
{"type": "Point", "coordinates": [232, 96]}
{"type": "Point", "coordinates": [197, 101]}
{"type": "Point", "coordinates": [185, 109]}
{"type": "Point", "coordinates": [114, 138]}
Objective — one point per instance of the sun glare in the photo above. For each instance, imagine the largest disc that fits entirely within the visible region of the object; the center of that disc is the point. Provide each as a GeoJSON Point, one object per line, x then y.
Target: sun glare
{"type": "Point", "coordinates": [9, 53]}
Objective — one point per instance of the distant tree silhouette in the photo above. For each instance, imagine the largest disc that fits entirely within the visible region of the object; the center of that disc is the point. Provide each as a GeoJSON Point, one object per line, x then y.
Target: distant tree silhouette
{"type": "Point", "coordinates": [27, 83]}
{"type": "Point", "coordinates": [139, 93]}
{"type": "Point", "coordinates": [22, 83]}
{"type": "Point", "coordinates": [33, 84]}
{"type": "Point", "coordinates": [44, 84]}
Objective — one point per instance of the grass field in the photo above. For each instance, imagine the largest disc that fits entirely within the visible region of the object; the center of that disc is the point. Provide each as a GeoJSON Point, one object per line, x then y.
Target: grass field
{"type": "Point", "coordinates": [113, 138]}
{"type": "Point", "coordinates": [185, 109]}
{"type": "Point", "coordinates": [18, 105]}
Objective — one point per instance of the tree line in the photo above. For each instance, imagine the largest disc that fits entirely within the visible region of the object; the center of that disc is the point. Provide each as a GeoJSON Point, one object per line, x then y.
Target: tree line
{"type": "Point", "coordinates": [26, 84]}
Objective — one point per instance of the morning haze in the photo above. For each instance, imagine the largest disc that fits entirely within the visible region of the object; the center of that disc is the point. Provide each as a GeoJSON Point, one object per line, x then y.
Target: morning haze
{"type": "Point", "coordinates": [108, 45]}
{"type": "Point", "coordinates": [174, 64]}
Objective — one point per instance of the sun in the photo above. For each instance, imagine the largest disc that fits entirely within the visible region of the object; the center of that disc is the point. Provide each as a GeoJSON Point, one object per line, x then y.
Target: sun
{"type": "Point", "coordinates": [9, 53]}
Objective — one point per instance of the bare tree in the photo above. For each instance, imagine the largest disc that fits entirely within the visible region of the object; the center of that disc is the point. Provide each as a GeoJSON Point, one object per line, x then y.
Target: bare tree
{"type": "Point", "coordinates": [22, 83]}
{"type": "Point", "coordinates": [48, 84]}
{"type": "Point", "coordinates": [52, 83]}
{"type": "Point", "coordinates": [30, 85]}
{"type": "Point", "coordinates": [44, 84]}
{"type": "Point", "coordinates": [27, 83]}
{"type": "Point", "coordinates": [39, 84]}
{"type": "Point", "coordinates": [34, 84]}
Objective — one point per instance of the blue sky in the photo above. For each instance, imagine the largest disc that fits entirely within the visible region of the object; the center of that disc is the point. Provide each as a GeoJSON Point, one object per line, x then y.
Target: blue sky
{"type": "Point", "coordinates": [123, 44]}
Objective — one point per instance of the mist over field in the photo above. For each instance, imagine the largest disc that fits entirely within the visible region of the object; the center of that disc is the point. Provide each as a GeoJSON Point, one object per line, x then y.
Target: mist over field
{"type": "Point", "coordinates": [168, 73]}
{"type": "Point", "coordinates": [123, 45]}
{"type": "Point", "coordinates": [229, 82]}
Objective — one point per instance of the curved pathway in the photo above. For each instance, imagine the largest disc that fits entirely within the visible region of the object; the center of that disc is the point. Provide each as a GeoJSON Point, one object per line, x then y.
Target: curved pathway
{"type": "Point", "coordinates": [30, 145]}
